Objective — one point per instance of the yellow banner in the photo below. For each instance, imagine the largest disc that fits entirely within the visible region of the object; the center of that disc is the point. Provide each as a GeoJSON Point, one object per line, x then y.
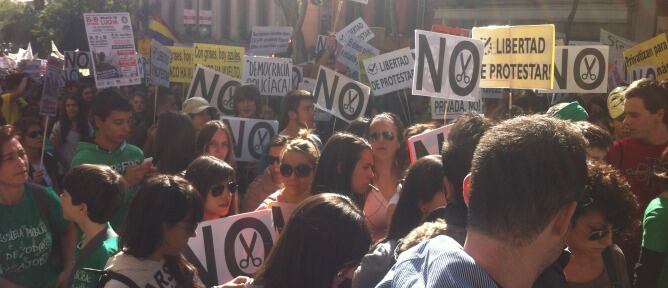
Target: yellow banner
{"type": "Point", "coordinates": [360, 67]}
{"type": "Point", "coordinates": [517, 56]}
{"type": "Point", "coordinates": [182, 64]}
{"type": "Point", "coordinates": [653, 52]}
{"type": "Point", "coordinates": [224, 59]}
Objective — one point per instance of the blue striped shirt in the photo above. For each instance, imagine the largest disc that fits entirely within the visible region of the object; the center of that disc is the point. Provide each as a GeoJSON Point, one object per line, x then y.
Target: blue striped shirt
{"type": "Point", "coordinates": [439, 262]}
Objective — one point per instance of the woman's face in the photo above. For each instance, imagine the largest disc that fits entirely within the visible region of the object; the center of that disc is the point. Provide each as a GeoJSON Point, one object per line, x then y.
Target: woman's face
{"type": "Point", "coordinates": [32, 139]}
{"type": "Point", "coordinates": [274, 163]}
{"type": "Point", "coordinates": [362, 173]}
{"type": "Point", "coordinates": [219, 198]}
{"type": "Point", "coordinates": [298, 181]}
{"type": "Point", "coordinates": [88, 94]}
{"type": "Point", "coordinates": [219, 145]}
{"type": "Point", "coordinates": [590, 235]}
{"type": "Point", "coordinates": [138, 105]}
{"type": "Point", "coordinates": [71, 109]}
{"type": "Point", "coordinates": [176, 237]}
{"type": "Point", "coordinates": [14, 165]}
{"type": "Point", "coordinates": [246, 108]}
{"type": "Point", "coordinates": [383, 136]}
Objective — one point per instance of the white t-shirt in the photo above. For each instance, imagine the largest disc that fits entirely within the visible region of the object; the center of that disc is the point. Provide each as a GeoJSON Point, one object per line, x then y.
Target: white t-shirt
{"type": "Point", "coordinates": [144, 272]}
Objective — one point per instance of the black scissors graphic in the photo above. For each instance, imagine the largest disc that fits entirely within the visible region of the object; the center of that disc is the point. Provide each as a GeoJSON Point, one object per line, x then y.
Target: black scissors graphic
{"type": "Point", "coordinates": [463, 76]}
{"type": "Point", "coordinates": [349, 107]}
{"type": "Point", "coordinates": [589, 75]}
{"type": "Point", "coordinates": [250, 259]}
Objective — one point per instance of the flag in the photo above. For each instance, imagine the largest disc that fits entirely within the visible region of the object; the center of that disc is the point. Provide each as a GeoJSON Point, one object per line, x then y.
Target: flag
{"type": "Point", "coordinates": [55, 52]}
{"type": "Point", "coordinates": [159, 31]}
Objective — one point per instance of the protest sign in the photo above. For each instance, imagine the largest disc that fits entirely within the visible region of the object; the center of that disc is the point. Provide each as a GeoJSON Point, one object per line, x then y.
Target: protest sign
{"type": "Point", "coordinates": [75, 61]}
{"type": "Point", "coordinates": [53, 84]}
{"type": "Point", "coordinates": [455, 108]}
{"type": "Point", "coordinates": [307, 84]}
{"type": "Point", "coordinates": [491, 93]}
{"type": "Point", "coordinates": [357, 30]}
{"type": "Point", "coordinates": [427, 143]}
{"type": "Point", "coordinates": [144, 68]}
{"type": "Point", "coordinates": [517, 56]}
{"type": "Point", "coordinates": [320, 45]}
{"type": "Point", "coordinates": [580, 69]}
{"type": "Point", "coordinates": [348, 54]}
{"type": "Point", "coordinates": [653, 52]}
{"type": "Point", "coordinates": [112, 47]}
{"type": "Point", "coordinates": [232, 246]}
{"type": "Point", "coordinates": [445, 29]}
{"type": "Point", "coordinates": [224, 59]}
{"type": "Point", "coordinates": [281, 212]}
{"type": "Point", "coordinates": [362, 77]}
{"type": "Point", "coordinates": [160, 57]}
{"type": "Point", "coordinates": [272, 76]}
{"type": "Point", "coordinates": [268, 40]}
{"type": "Point", "coordinates": [638, 73]}
{"type": "Point", "coordinates": [616, 63]}
{"type": "Point", "coordinates": [215, 87]}
{"type": "Point", "coordinates": [297, 76]}
{"type": "Point", "coordinates": [250, 137]}
{"type": "Point", "coordinates": [447, 66]}
{"type": "Point", "coordinates": [33, 68]}
{"type": "Point", "coordinates": [181, 64]}
{"type": "Point", "coordinates": [390, 72]}
{"type": "Point", "coordinates": [361, 1]}
{"type": "Point", "coordinates": [340, 95]}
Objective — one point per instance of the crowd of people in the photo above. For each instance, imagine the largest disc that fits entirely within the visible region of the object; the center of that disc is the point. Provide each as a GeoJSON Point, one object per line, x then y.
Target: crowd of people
{"type": "Point", "coordinates": [533, 195]}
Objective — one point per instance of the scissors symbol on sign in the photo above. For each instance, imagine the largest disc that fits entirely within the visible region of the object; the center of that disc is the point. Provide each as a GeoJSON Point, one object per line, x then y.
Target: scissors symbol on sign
{"type": "Point", "coordinates": [250, 259]}
{"type": "Point", "coordinates": [463, 76]}
{"type": "Point", "coordinates": [349, 107]}
{"type": "Point", "coordinates": [589, 75]}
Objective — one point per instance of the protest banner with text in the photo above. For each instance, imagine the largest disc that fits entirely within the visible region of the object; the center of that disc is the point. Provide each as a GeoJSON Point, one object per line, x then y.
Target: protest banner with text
{"type": "Point", "coordinates": [653, 52]}
{"type": "Point", "coordinates": [340, 95]}
{"type": "Point", "coordinates": [215, 87]}
{"type": "Point", "coordinates": [455, 108]}
{"type": "Point", "coordinates": [427, 143]}
{"type": "Point", "coordinates": [224, 59]}
{"type": "Point", "coordinates": [160, 56]}
{"type": "Point", "coordinates": [616, 63]}
{"type": "Point", "coordinates": [268, 40]}
{"type": "Point", "coordinates": [390, 72]}
{"type": "Point", "coordinates": [580, 69]}
{"type": "Point", "coordinates": [272, 76]}
{"type": "Point", "coordinates": [349, 52]}
{"type": "Point", "coordinates": [181, 64]}
{"type": "Point", "coordinates": [75, 61]}
{"type": "Point", "coordinates": [250, 137]}
{"type": "Point", "coordinates": [641, 72]}
{"type": "Point", "coordinates": [357, 30]}
{"type": "Point", "coordinates": [53, 84]}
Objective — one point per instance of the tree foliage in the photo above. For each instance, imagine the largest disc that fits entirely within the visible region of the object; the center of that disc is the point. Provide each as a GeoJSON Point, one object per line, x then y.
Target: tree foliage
{"type": "Point", "coordinates": [16, 20]}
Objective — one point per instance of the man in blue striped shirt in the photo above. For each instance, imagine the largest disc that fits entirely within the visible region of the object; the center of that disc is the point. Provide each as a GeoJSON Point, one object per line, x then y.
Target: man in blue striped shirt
{"type": "Point", "coordinates": [526, 176]}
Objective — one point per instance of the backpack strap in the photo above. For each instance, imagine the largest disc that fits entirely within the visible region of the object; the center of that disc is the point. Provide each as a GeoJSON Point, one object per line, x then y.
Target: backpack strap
{"type": "Point", "coordinates": [108, 275]}
{"type": "Point", "coordinates": [41, 200]}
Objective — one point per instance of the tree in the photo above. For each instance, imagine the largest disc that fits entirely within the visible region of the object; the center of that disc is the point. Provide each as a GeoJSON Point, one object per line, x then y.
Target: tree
{"type": "Point", "coordinates": [16, 20]}
{"type": "Point", "coordinates": [295, 12]}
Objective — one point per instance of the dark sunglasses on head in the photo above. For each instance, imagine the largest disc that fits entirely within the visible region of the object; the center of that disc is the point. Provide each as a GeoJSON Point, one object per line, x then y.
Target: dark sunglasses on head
{"type": "Point", "coordinates": [34, 134]}
{"type": "Point", "coordinates": [302, 170]}
{"type": "Point", "coordinates": [387, 135]}
{"type": "Point", "coordinates": [217, 190]}
{"type": "Point", "coordinates": [271, 160]}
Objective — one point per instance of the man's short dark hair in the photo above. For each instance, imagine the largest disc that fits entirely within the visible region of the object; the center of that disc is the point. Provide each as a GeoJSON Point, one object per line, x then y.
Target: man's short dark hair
{"type": "Point", "coordinates": [99, 187]}
{"type": "Point", "coordinates": [524, 170]}
{"type": "Point", "coordinates": [290, 103]}
{"type": "Point", "coordinates": [109, 100]}
{"type": "Point", "coordinates": [653, 94]}
{"type": "Point", "coordinates": [596, 136]}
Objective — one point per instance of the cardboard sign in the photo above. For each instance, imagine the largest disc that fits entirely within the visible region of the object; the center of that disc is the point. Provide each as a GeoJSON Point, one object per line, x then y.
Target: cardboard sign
{"type": "Point", "coordinates": [517, 56]}
{"type": "Point", "coordinates": [75, 61]}
{"type": "Point", "coordinates": [267, 40]}
{"type": "Point", "coordinates": [447, 66]}
{"type": "Point", "coordinates": [297, 76]}
{"type": "Point", "coordinates": [445, 29]}
{"type": "Point", "coordinates": [340, 95]}
{"type": "Point", "coordinates": [272, 76]}
{"type": "Point", "coordinates": [653, 52]}
{"type": "Point", "coordinates": [224, 59]}
{"type": "Point", "coordinates": [638, 73]}
{"type": "Point", "coordinates": [53, 84]}
{"type": "Point", "coordinates": [160, 57]}
{"type": "Point", "coordinates": [214, 86]}
{"type": "Point", "coordinates": [112, 46]}
{"type": "Point", "coordinates": [428, 143]}
{"type": "Point", "coordinates": [357, 30]}
{"type": "Point", "coordinates": [181, 64]}
{"type": "Point", "coordinates": [232, 246]}
{"type": "Point", "coordinates": [581, 69]}
{"type": "Point", "coordinates": [307, 84]}
{"type": "Point", "coordinates": [350, 51]}
{"type": "Point", "coordinates": [617, 44]}
{"type": "Point", "coordinates": [33, 68]}
{"type": "Point", "coordinates": [250, 136]}
{"type": "Point", "coordinates": [390, 72]}
{"type": "Point", "coordinates": [320, 45]}
{"type": "Point", "coordinates": [455, 108]}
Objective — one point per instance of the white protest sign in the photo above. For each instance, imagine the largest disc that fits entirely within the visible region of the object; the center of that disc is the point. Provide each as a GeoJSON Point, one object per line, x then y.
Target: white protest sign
{"type": "Point", "coordinates": [349, 52]}
{"type": "Point", "coordinates": [297, 76]}
{"type": "Point", "coordinates": [320, 44]}
{"type": "Point", "coordinates": [638, 73]}
{"type": "Point", "coordinates": [580, 69]}
{"type": "Point", "coordinates": [53, 83]}
{"type": "Point", "coordinates": [33, 68]}
{"type": "Point", "coordinates": [250, 136]}
{"type": "Point", "coordinates": [455, 108]}
{"type": "Point", "coordinates": [617, 44]}
{"type": "Point", "coordinates": [447, 66]}
{"type": "Point", "coordinates": [427, 143]}
{"type": "Point", "coordinates": [390, 72]}
{"type": "Point", "coordinates": [75, 61]}
{"type": "Point", "coordinates": [272, 76]}
{"type": "Point", "coordinates": [357, 30]}
{"type": "Point", "coordinates": [160, 57]}
{"type": "Point", "coordinates": [214, 86]}
{"type": "Point", "coordinates": [232, 246]}
{"type": "Point", "coordinates": [268, 40]}
{"type": "Point", "coordinates": [112, 46]}
{"type": "Point", "coordinates": [491, 93]}
{"type": "Point", "coordinates": [361, 1]}
{"type": "Point", "coordinates": [340, 95]}
{"type": "Point", "coordinates": [144, 68]}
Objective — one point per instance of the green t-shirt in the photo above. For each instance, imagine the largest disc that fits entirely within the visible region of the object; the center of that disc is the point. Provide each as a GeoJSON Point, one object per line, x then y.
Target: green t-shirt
{"type": "Point", "coordinates": [97, 259]}
{"type": "Point", "coordinates": [655, 233]}
{"type": "Point", "coordinates": [26, 242]}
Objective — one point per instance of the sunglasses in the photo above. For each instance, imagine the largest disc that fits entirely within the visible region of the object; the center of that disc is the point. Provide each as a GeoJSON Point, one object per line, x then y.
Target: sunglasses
{"type": "Point", "coordinates": [217, 190]}
{"type": "Point", "coordinates": [34, 134]}
{"type": "Point", "coordinates": [301, 170]}
{"type": "Point", "coordinates": [375, 136]}
{"type": "Point", "coordinates": [271, 160]}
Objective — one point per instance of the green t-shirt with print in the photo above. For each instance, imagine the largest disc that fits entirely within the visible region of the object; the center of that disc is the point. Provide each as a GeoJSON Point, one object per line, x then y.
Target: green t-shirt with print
{"type": "Point", "coordinates": [26, 241]}
{"type": "Point", "coordinates": [655, 233]}
{"type": "Point", "coordinates": [96, 259]}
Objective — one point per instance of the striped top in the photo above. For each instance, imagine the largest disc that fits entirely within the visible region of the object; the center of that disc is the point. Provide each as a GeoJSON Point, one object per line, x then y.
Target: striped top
{"type": "Point", "coordinates": [440, 262]}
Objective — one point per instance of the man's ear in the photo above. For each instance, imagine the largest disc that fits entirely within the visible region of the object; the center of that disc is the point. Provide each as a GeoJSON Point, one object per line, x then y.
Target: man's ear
{"type": "Point", "coordinates": [448, 188]}
{"type": "Point", "coordinates": [562, 220]}
{"type": "Point", "coordinates": [97, 121]}
{"type": "Point", "coordinates": [660, 115]}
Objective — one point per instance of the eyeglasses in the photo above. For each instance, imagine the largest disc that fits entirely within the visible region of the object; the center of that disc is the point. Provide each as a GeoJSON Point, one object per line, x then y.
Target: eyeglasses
{"type": "Point", "coordinates": [301, 170]}
{"type": "Point", "coordinates": [271, 160]}
{"type": "Point", "coordinates": [217, 190]}
{"type": "Point", "coordinates": [375, 136]}
{"type": "Point", "coordinates": [34, 134]}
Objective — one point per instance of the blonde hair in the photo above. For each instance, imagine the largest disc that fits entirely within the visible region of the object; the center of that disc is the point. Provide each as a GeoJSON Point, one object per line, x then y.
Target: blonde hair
{"type": "Point", "coordinates": [304, 144]}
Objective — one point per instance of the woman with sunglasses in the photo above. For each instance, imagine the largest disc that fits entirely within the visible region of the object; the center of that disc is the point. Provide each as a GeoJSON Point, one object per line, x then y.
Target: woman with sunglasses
{"type": "Point", "coordinates": [298, 162]}
{"type": "Point", "coordinates": [605, 212]}
{"type": "Point", "coordinates": [215, 181]}
{"type": "Point", "coordinates": [389, 157]}
{"type": "Point", "coordinates": [31, 136]}
{"type": "Point", "coordinates": [270, 181]}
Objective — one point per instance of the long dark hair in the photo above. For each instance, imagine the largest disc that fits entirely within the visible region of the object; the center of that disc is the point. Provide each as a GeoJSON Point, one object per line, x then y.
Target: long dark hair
{"type": "Point", "coordinates": [175, 142]}
{"type": "Point", "coordinates": [208, 130]}
{"type": "Point", "coordinates": [423, 181]}
{"type": "Point", "coordinates": [326, 233]}
{"type": "Point", "coordinates": [206, 171]}
{"type": "Point", "coordinates": [337, 162]}
{"type": "Point", "coordinates": [163, 200]}
{"type": "Point", "coordinates": [83, 127]}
